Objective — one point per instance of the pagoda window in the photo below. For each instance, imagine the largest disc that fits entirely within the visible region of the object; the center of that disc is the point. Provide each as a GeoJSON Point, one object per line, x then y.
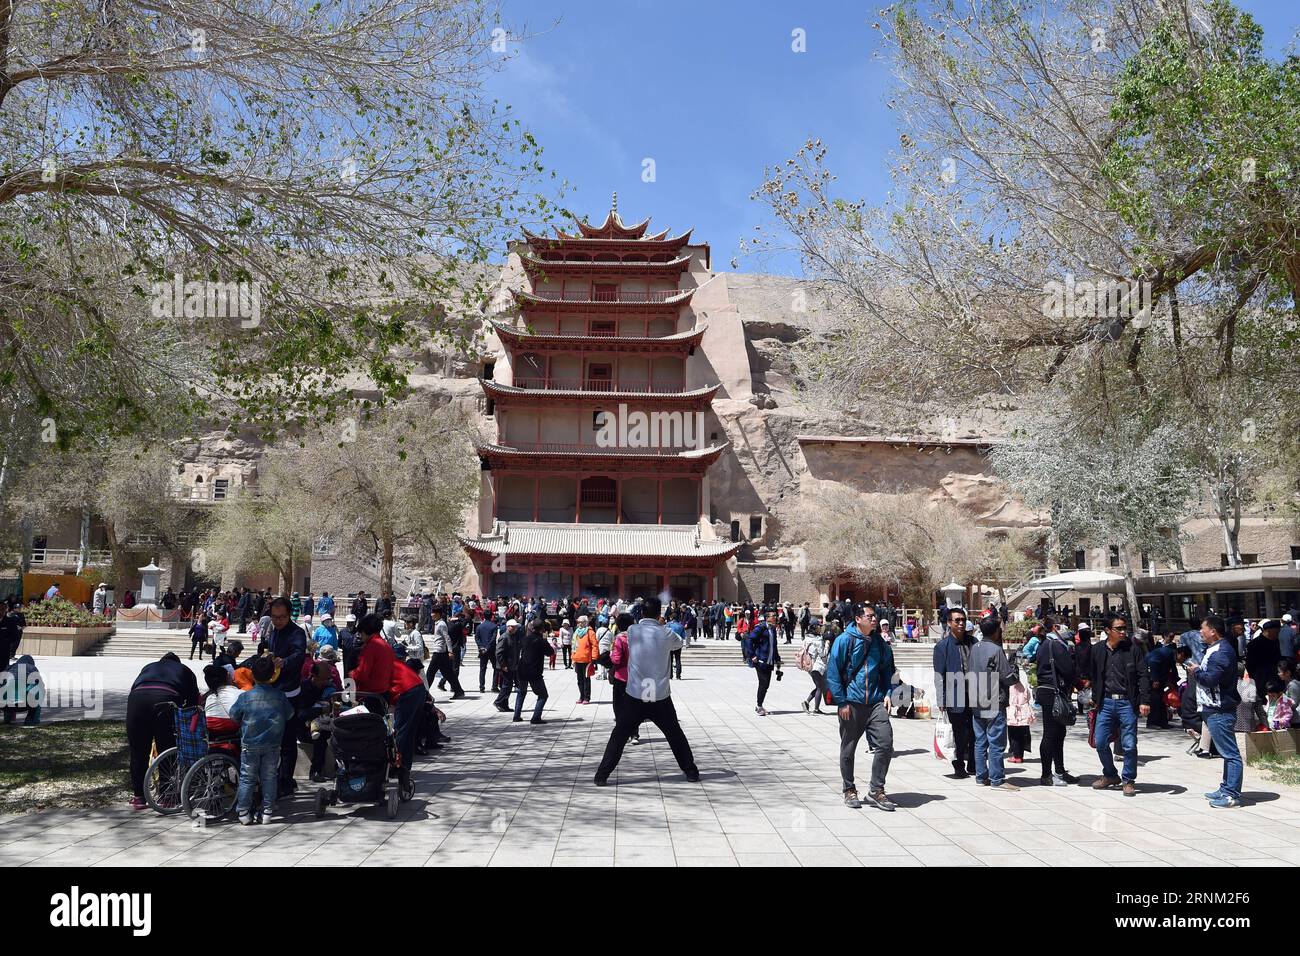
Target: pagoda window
{"type": "Point", "coordinates": [600, 377]}
{"type": "Point", "coordinates": [640, 501]}
{"type": "Point", "coordinates": [756, 526]}
{"type": "Point", "coordinates": [552, 255]}
{"type": "Point", "coordinates": [556, 499]}
{"type": "Point", "coordinates": [681, 501]}
{"type": "Point", "coordinates": [603, 327]}
{"type": "Point", "coordinates": [530, 372]}
{"type": "Point", "coordinates": [634, 257]}
{"type": "Point", "coordinates": [605, 291]}
{"type": "Point", "coordinates": [599, 498]}
{"type": "Point", "coordinates": [605, 257]}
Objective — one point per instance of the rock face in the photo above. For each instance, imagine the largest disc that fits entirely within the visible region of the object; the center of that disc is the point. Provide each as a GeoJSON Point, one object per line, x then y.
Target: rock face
{"type": "Point", "coordinates": [777, 456]}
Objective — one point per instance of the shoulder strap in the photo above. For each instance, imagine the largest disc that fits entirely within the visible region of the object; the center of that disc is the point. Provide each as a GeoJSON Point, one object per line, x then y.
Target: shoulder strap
{"type": "Point", "coordinates": [854, 676]}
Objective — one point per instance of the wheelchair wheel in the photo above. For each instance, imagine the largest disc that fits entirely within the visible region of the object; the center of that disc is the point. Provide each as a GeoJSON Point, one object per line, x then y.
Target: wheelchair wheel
{"type": "Point", "coordinates": [393, 797]}
{"type": "Point", "coordinates": [322, 801]}
{"type": "Point", "coordinates": [162, 783]}
{"type": "Point", "coordinates": [407, 788]}
{"type": "Point", "coordinates": [210, 786]}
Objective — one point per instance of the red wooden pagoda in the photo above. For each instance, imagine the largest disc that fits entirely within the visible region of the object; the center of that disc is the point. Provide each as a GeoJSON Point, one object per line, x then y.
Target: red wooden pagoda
{"type": "Point", "coordinates": [576, 503]}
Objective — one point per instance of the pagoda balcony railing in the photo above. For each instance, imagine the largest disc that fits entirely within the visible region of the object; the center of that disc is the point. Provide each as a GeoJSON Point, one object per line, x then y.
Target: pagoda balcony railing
{"type": "Point", "coordinates": [659, 295]}
{"type": "Point", "coordinates": [600, 385]}
{"type": "Point", "coordinates": [592, 448]}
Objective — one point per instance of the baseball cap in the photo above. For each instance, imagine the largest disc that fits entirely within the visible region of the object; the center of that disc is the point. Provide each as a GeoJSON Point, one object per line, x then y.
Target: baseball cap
{"type": "Point", "coordinates": [327, 616]}
{"type": "Point", "coordinates": [512, 623]}
{"type": "Point", "coordinates": [1287, 618]}
{"type": "Point", "coordinates": [350, 619]}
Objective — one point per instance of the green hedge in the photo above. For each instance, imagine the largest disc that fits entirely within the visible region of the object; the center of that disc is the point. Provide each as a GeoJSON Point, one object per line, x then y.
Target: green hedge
{"type": "Point", "coordinates": [60, 612]}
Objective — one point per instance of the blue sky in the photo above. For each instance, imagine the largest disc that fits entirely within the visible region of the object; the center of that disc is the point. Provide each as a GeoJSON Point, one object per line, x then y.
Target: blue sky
{"type": "Point", "coordinates": [712, 92]}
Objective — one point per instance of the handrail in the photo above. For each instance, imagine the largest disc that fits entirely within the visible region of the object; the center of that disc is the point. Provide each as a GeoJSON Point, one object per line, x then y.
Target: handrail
{"type": "Point", "coordinates": [629, 296]}
{"type": "Point", "coordinates": [599, 385]}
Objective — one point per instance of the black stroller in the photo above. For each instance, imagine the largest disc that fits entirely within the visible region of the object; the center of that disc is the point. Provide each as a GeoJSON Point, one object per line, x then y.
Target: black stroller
{"type": "Point", "coordinates": [365, 754]}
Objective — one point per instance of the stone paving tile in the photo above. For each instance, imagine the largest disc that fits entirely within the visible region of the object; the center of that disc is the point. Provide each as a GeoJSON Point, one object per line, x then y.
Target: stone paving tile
{"type": "Point", "coordinates": [505, 794]}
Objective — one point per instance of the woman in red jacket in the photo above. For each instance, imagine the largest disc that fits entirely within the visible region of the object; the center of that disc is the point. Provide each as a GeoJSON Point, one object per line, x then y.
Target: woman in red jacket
{"type": "Point", "coordinates": [379, 672]}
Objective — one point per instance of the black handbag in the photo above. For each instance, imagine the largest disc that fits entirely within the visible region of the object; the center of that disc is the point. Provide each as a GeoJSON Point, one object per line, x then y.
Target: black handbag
{"type": "Point", "coordinates": [1062, 707]}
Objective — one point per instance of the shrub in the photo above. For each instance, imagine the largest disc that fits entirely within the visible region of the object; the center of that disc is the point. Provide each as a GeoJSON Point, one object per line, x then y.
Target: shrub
{"type": "Point", "coordinates": [60, 612]}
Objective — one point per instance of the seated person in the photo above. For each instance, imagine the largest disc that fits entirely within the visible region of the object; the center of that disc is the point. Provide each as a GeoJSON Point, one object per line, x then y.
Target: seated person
{"type": "Point", "coordinates": [315, 710]}
{"type": "Point", "coordinates": [1278, 708]}
{"type": "Point", "coordinates": [1286, 673]}
{"type": "Point", "coordinates": [21, 688]}
{"type": "Point", "coordinates": [221, 695]}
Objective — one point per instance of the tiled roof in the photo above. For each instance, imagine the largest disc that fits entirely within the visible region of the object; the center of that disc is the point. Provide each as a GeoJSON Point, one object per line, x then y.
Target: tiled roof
{"type": "Point", "coordinates": [668, 540]}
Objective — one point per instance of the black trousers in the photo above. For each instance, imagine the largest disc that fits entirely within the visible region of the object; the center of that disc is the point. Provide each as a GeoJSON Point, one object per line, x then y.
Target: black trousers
{"type": "Point", "coordinates": [507, 683]}
{"type": "Point", "coordinates": [764, 680]}
{"type": "Point", "coordinates": [442, 662]}
{"type": "Point", "coordinates": [147, 722]}
{"type": "Point", "coordinates": [677, 662]}
{"type": "Point", "coordinates": [620, 702]}
{"type": "Point", "coordinates": [293, 731]}
{"type": "Point", "coordinates": [584, 682]}
{"type": "Point", "coordinates": [483, 661]}
{"type": "Point", "coordinates": [1051, 749]}
{"type": "Point", "coordinates": [963, 731]}
{"type": "Point", "coordinates": [1020, 740]}
{"type": "Point", "coordinates": [663, 715]}
{"type": "Point", "coordinates": [566, 648]}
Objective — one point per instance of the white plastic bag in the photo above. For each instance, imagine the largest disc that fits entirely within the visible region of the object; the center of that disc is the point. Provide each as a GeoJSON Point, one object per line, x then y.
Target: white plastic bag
{"type": "Point", "coordinates": [945, 744]}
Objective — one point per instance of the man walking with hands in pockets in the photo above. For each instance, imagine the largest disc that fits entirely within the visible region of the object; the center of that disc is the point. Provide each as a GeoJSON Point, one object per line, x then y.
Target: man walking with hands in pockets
{"type": "Point", "coordinates": [859, 672]}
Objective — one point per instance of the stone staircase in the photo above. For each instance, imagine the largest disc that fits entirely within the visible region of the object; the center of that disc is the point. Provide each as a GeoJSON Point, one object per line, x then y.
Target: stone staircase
{"type": "Point", "coordinates": [141, 643]}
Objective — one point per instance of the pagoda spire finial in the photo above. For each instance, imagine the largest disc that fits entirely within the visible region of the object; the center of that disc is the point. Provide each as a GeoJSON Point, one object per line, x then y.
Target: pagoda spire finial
{"type": "Point", "coordinates": [613, 202]}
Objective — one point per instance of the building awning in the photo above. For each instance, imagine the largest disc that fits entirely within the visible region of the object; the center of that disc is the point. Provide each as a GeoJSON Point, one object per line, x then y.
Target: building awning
{"type": "Point", "coordinates": [599, 540]}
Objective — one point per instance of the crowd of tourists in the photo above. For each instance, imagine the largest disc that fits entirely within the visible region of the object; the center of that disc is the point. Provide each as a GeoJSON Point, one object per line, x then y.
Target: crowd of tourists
{"type": "Point", "coordinates": [280, 664]}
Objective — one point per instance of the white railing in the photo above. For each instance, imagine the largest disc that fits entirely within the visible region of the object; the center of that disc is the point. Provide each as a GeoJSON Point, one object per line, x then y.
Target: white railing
{"type": "Point", "coordinates": [68, 556]}
{"type": "Point", "coordinates": [628, 296]}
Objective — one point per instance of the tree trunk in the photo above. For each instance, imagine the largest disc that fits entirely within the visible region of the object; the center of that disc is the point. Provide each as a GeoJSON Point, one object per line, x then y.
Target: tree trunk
{"type": "Point", "coordinates": [1229, 516]}
{"type": "Point", "coordinates": [288, 573]}
{"type": "Point", "coordinates": [83, 543]}
{"type": "Point", "coordinates": [386, 564]}
{"type": "Point", "coordinates": [1130, 587]}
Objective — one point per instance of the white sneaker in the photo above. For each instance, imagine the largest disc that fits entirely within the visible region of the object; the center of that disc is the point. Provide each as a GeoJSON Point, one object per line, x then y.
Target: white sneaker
{"type": "Point", "coordinates": [246, 819]}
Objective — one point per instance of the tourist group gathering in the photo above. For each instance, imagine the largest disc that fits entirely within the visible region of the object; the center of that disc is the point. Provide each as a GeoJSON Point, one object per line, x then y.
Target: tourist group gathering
{"type": "Point", "coordinates": [362, 694]}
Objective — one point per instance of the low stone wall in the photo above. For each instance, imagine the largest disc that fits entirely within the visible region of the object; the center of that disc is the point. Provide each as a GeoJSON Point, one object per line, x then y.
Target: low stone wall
{"type": "Point", "coordinates": [61, 641]}
{"type": "Point", "coordinates": [1280, 742]}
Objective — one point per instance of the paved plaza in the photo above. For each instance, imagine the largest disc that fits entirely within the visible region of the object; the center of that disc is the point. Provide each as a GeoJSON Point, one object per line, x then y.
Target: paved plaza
{"type": "Point", "coordinates": [506, 794]}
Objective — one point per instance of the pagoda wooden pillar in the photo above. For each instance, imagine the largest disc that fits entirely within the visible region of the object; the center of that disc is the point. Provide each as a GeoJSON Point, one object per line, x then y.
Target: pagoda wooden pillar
{"type": "Point", "coordinates": [537, 498]}
{"type": "Point", "coordinates": [659, 501]}
{"type": "Point", "coordinates": [618, 501]}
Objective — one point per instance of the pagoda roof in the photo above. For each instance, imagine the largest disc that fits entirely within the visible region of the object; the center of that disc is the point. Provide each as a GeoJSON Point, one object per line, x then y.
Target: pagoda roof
{"type": "Point", "coordinates": [584, 396]}
{"type": "Point", "coordinates": [599, 540]}
{"type": "Point", "coordinates": [536, 267]}
{"type": "Point", "coordinates": [563, 240]}
{"type": "Point", "coordinates": [561, 342]}
{"type": "Point", "coordinates": [669, 302]}
{"type": "Point", "coordinates": [560, 457]}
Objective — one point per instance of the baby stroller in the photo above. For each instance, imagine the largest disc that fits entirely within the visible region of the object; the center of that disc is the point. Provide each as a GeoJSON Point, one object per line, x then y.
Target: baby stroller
{"type": "Point", "coordinates": [365, 753]}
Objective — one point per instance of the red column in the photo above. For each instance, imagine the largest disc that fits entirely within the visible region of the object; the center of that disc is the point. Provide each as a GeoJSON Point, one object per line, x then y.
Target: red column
{"type": "Point", "coordinates": [537, 497]}
{"type": "Point", "coordinates": [659, 500]}
{"type": "Point", "coordinates": [578, 516]}
{"type": "Point", "coordinates": [618, 501]}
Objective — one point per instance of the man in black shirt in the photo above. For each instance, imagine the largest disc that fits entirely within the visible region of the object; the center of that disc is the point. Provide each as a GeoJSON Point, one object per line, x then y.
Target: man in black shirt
{"type": "Point", "coordinates": [1121, 689]}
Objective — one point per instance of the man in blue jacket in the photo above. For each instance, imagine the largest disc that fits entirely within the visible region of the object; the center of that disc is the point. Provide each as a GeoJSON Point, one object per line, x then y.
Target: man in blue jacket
{"type": "Point", "coordinates": [859, 674]}
{"type": "Point", "coordinates": [952, 689]}
{"type": "Point", "coordinates": [485, 636]}
{"type": "Point", "coordinates": [288, 645]}
{"type": "Point", "coordinates": [760, 648]}
{"type": "Point", "coordinates": [1216, 693]}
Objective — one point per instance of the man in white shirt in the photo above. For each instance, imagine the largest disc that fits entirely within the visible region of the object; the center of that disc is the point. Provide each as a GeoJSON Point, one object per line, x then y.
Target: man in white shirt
{"type": "Point", "coordinates": [650, 648]}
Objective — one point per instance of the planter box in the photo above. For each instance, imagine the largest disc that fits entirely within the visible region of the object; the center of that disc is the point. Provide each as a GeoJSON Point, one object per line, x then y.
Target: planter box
{"type": "Point", "coordinates": [40, 641]}
{"type": "Point", "coordinates": [1280, 742]}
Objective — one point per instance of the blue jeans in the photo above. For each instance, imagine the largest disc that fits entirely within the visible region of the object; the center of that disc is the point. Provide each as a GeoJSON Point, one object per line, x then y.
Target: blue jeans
{"type": "Point", "coordinates": [257, 767]}
{"type": "Point", "coordinates": [1225, 741]}
{"type": "Point", "coordinates": [990, 738]}
{"type": "Point", "coordinates": [1121, 712]}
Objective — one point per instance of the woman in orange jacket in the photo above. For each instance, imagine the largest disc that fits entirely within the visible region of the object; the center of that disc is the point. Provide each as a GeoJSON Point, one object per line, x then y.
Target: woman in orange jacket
{"type": "Point", "coordinates": [586, 649]}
